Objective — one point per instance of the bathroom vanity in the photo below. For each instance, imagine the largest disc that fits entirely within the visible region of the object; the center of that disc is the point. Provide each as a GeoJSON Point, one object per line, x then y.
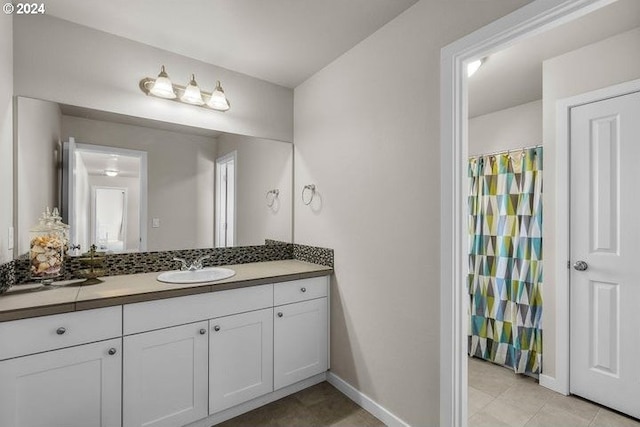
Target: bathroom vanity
{"type": "Point", "coordinates": [133, 351]}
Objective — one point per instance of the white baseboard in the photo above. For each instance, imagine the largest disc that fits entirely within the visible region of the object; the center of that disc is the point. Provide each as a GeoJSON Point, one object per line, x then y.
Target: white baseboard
{"type": "Point", "coordinates": [258, 402]}
{"type": "Point", "coordinates": [365, 402]}
{"type": "Point", "coordinates": [552, 384]}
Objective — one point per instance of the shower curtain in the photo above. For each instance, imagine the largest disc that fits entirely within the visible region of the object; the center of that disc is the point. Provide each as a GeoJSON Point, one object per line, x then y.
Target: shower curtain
{"type": "Point", "coordinates": [505, 259]}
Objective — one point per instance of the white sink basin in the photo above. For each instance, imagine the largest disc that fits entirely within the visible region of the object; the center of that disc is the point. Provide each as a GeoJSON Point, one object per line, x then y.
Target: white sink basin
{"type": "Point", "coordinates": [209, 274]}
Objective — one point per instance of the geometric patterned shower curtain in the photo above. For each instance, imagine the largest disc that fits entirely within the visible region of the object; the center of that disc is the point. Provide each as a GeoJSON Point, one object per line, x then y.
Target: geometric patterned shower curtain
{"type": "Point", "coordinates": [505, 259]}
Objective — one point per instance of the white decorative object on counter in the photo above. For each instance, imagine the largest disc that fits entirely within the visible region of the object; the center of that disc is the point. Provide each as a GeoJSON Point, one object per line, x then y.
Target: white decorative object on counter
{"type": "Point", "coordinates": [47, 248]}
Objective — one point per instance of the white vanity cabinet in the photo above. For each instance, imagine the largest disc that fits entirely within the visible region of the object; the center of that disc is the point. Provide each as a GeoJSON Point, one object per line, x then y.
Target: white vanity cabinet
{"type": "Point", "coordinates": [300, 327]}
{"type": "Point", "coordinates": [58, 377]}
{"type": "Point", "coordinates": [240, 358]}
{"type": "Point", "coordinates": [171, 362]}
{"type": "Point", "coordinates": [165, 376]}
{"type": "Point", "coordinates": [174, 375]}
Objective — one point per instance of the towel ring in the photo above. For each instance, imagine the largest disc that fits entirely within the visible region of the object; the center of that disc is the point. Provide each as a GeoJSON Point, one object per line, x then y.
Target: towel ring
{"type": "Point", "coordinates": [274, 195]}
{"type": "Point", "coordinates": [312, 188]}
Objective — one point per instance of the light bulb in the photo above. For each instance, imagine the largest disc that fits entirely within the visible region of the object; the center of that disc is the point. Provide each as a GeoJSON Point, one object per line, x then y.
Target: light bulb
{"type": "Point", "coordinates": [163, 87]}
{"type": "Point", "coordinates": [218, 100]}
{"type": "Point", "coordinates": [192, 93]}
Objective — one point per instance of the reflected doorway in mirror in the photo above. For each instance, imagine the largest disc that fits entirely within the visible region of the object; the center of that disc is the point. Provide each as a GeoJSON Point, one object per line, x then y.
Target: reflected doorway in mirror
{"type": "Point", "coordinates": [225, 220]}
{"type": "Point", "coordinates": [90, 173]}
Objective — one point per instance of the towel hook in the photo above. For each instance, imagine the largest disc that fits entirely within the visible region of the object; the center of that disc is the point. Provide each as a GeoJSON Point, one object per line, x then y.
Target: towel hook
{"type": "Point", "coordinates": [312, 188]}
{"type": "Point", "coordinates": [274, 195]}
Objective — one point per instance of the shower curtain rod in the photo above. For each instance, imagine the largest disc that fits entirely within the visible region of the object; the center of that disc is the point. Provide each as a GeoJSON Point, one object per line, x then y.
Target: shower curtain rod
{"type": "Point", "coordinates": [513, 150]}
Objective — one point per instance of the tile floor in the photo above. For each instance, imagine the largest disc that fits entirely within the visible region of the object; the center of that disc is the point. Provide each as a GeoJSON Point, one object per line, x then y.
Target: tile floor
{"type": "Point", "coordinates": [320, 405]}
{"type": "Point", "coordinates": [498, 398]}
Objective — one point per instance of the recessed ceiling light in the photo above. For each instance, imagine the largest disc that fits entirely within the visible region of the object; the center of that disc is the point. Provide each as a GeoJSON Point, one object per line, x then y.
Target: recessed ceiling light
{"type": "Point", "coordinates": [111, 172]}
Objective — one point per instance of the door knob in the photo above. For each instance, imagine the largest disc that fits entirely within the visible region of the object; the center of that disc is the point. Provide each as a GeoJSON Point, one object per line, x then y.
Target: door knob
{"type": "Point", "coordinates": [203, 331]}
{"type": "Point", "coordinates": [580, 265]}
{"type": "Point", "coordinates": [112, 351]}
{"type": "Point", "coordinates": [280, 314]}
{"type": "Point", "coordinates": [216, 328]}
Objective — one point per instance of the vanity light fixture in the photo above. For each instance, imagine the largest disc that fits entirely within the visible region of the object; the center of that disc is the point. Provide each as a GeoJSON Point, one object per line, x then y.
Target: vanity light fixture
{"type": "Point", "coordinates": [162, 86]}
{"type": "Point", "coordinates": [474, 66]}
{"type": "Point", "coordinates": [191, 94]}
{"type": "Point", "coordinates": [218, 100]}
{"type": "Point", "coordinates": [111, 172]}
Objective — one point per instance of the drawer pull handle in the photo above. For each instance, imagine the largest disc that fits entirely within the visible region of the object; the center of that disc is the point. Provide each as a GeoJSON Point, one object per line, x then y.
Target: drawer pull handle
{"type": "Point", "coordinates": [203, 331]}
{"type": "Point", "coordinates": [216, 328]}
{"type": "Point", "coordinates": [112, 351]}
{"type": "Point", "coordinates": [280, 314]}
{"type": "Point", "coordinates": [303, 289]}
{"type": "Point", "coordinates": [61, 330]}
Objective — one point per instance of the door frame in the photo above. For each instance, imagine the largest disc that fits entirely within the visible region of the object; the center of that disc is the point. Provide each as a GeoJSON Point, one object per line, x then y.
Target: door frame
{"type": "Point", "coordinates": [561, 383]}
{"type": "Point", "coordinates": [533, 18]}
{"type": "Point", "coordinates": [232, 155]}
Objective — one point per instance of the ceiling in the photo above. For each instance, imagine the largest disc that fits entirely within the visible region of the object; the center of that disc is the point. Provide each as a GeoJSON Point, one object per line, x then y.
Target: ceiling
{"type": "Point", "coordinates": [96, 163]}
{"type": "Point", "coordinates": [281, 41]}
{"type": "Point", "coordinates": [513, 76]}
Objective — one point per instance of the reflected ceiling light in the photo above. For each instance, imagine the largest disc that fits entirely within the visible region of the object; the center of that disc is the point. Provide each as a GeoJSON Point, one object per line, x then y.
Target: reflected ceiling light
{"type": "Point", "coordinates": [111, 172]}
{"type": "Point", "coordinates": [474, 66]}
{"type": "Point", "coordinates": [162, 86]}
{"type": "Point", "coordinates": [190, 94]}
{"type": "Point", "coordinates": [218, 100]}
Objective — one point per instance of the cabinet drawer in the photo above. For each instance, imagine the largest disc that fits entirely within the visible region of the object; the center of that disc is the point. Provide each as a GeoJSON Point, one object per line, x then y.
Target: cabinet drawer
{"type": "Point", "coordinates": [300, 290]}
{"type": "Point", "coordinates": [147, 316]}
{"type": "Point", "coordinates": [27, 336]}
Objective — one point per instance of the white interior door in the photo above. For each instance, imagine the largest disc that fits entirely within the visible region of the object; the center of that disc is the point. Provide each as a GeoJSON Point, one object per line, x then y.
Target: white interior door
{"type": "Point", "coordinates": [605, 238]}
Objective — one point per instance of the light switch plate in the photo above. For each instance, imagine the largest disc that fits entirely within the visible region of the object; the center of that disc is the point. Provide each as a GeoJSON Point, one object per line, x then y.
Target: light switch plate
{"type": "Point", "coordinates": [155, 222]}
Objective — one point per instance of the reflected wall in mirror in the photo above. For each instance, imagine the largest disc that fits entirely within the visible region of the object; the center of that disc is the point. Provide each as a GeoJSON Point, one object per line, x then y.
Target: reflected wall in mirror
{"type": "Point", "coordinates": [173, 201]}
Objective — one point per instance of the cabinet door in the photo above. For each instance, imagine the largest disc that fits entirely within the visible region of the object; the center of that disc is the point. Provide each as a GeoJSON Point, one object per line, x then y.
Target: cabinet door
{"type": "Point", "coordinates": [165, 376]}
{"type": "Point", "coordinates": [300, 341]}
{"type": "Point", "coordinates": [73, 387]}
{"type": "Point", "coordinates": [240, 358]}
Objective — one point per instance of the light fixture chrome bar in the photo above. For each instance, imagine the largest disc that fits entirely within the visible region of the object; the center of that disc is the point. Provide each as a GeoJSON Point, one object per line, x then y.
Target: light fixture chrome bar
{"type": "Point", "coordinates": [147, 82]}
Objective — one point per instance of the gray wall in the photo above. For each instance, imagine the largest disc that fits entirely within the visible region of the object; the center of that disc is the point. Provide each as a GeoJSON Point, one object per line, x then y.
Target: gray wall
{"type": "Point", "coordinates": [515, 127]}
{"type": "Point", "coordinates": [71, 64]}
{"type": "Point", "coordinates": [6, 134]}
{"type": "Point", "coordinates": [262, 165]}
{"type": "Point", "coordinates": [367, 133]}
{"type": "Point", "coordinates": [38, 153]}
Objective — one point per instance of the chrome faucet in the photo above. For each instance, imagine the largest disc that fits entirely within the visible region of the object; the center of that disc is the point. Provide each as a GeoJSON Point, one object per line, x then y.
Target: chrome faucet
{"type": "Point", "coordinates": [195, 265]}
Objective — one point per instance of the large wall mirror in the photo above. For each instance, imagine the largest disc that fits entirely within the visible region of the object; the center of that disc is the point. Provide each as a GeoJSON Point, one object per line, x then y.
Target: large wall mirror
{"type": "Point", "coordinates": [129, 184]}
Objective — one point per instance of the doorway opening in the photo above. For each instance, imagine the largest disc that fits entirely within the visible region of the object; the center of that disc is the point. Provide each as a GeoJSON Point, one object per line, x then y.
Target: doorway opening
{"type": "Point", "coordinates": [109, 218]}
{"type": "Point", "coordinates": [225, 219]}
{"type": "Point", "coordinates": [534, 19]}
{"type": "Point", "coordinates": [104, 197]}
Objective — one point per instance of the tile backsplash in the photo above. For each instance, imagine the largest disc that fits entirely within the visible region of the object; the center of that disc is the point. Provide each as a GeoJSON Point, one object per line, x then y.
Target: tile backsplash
{"type": "Point", "coordinates": [314, 254]}
{"type": "Point", "coordinates": [7, 276]}
{"type": "Point", "coordinates": [149, 262]}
